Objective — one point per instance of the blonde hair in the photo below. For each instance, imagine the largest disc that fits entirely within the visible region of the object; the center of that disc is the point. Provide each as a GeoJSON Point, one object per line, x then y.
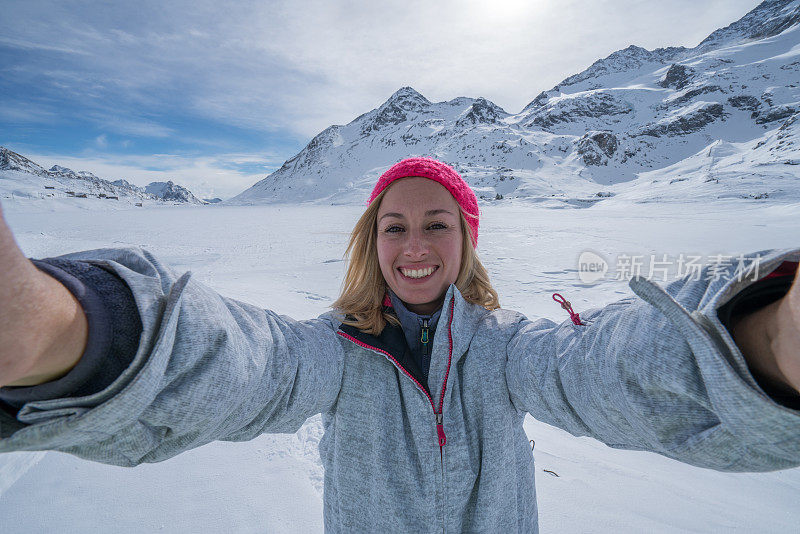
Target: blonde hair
{"type": "Point", "coordinates": [364, 288]}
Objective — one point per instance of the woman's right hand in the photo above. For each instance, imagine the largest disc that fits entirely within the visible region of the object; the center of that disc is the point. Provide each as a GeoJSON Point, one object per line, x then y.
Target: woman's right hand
{"type": "Point", "coordinates": [43, 329]}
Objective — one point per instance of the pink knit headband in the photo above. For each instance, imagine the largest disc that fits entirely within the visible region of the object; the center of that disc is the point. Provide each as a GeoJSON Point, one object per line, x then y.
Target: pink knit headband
{"type": "Point", "coordinates": [438, 172]}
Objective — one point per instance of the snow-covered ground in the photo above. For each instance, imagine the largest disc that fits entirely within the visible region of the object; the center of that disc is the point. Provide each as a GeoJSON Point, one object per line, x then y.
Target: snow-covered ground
{"type": "Point", "coordinates": [289, 258]}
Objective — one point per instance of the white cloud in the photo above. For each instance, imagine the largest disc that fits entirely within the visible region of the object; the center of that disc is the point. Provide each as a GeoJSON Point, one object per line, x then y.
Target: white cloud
{"type": "Point", "coordinates": [30, 45]}
{"type": "Point", "coordinates": [339, 59]}
{"type": "Point", "coordinates": [303, 65]}
{"type": "Point", "coordinates": [139, 128]}
{"type": "Point", "coordinates": [20, 112]}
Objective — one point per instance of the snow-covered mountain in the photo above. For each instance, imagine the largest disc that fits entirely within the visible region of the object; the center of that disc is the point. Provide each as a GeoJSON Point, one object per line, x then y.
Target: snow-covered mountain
{"type": "Point", "coordinates": [770, 18]}
{"type": "Point", "coordinates": [21, 177]}
{"type": "Point", "coordinates": [171, 191]}
{"type": "Point", "coordinates": [11, 161]}
{"type": "Point", "coordinates": [720, 117]}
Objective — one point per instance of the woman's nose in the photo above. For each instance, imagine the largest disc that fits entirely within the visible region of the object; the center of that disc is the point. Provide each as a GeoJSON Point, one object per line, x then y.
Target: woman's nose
{"type": "Point", "coordinates": [416, 245]}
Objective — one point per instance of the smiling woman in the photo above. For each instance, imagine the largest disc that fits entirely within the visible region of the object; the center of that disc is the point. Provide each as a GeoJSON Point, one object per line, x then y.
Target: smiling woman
{"type": "Point", "coordinates": [418, 236]}
{"type": "Point", "coordinates": [422, 381]}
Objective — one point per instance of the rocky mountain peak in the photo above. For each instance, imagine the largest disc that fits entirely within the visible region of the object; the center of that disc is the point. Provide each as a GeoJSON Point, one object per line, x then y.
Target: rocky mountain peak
{"type": "Point", "coordinates": [623, 60]}
{"type": "Point", "coordinates": [482, 111]}
{"type": "Point", "coordinates": [58, 169]}
{"type": "Point", "coordinates": [123, 183]}
{"type": "Point", "coordinates": [408, 98]}
{"type": "Point", "coordinates": [768, 18]}
{"type": "Point", "coordinates": [65, 171]}
{"type": "Point", "coordinates": [11, 161]}
{"type": "Point", "coordinates": [396, 110]}
{"type": "Point", "coordinates": [169, 190]}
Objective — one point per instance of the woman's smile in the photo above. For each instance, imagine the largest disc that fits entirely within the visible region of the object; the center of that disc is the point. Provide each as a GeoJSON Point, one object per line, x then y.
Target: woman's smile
{"type": "Point", "coordinates": [420, 273]}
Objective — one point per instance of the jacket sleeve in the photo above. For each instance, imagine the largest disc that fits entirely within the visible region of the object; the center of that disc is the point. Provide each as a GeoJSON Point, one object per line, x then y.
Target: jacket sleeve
{"type": "Point", "coordinates": [658, 373]}
{"type": "Point", "coordinates": [112, 340]}
{"type": "Point", "coordinates": [207, 368]}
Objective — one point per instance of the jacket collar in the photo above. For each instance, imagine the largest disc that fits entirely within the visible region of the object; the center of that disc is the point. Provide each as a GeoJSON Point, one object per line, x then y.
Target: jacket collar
{"type": "Point", "coordinates": [457, 324]}
{"type": "Point", "coordinates": [459, 321]}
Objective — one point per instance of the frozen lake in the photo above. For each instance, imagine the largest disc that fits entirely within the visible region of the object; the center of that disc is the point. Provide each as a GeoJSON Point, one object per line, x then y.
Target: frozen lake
{"type": "Point", "coordinates": [289, 259]}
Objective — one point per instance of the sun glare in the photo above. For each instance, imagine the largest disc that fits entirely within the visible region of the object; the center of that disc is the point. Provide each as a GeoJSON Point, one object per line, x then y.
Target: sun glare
{"type": "Point", "coordinates": [501, 11]}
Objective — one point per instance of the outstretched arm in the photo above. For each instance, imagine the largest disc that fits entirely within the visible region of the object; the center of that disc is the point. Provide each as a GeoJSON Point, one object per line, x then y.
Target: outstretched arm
{"type": "Point", "coordinates": [662, 373]}
{"type": "Point", "coordinates": [43, 329]}
{"type": "Point", "coordinates": [206, 368]}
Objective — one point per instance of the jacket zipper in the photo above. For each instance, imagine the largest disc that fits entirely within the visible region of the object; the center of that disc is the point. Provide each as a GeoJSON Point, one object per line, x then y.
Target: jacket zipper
{"type": "Point", "coordinates": [426, 349]}
{"type": "Point", "coordinates": [438, 414]}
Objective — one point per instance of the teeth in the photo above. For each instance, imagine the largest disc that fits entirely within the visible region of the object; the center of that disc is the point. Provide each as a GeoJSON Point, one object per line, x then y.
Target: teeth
{"type": "Point", "coordinates": [418, 273]}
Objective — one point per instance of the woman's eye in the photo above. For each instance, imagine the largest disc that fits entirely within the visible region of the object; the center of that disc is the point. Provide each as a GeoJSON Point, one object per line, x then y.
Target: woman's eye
{"type": "Point", "coordinates": [437, 226]}
{"type": "Point", "coordinates": [394, 229]}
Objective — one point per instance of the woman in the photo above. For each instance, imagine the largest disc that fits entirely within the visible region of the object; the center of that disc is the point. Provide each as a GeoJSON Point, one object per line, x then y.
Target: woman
{"type": "Point", "coordinates": [423, 382]}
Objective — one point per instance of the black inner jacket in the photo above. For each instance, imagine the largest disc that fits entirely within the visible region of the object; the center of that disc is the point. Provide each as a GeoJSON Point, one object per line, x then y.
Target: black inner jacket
{"type": "Point", "coordinates": [393, 341]}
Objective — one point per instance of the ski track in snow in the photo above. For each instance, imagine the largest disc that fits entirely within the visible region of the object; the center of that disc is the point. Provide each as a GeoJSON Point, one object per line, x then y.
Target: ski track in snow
{"type": "Point", "coordinates": [288, 258]}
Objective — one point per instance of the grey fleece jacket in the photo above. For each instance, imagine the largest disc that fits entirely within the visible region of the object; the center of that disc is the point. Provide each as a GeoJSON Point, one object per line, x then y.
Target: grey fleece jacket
{"type": "Point", "coordinates": [656, 373]}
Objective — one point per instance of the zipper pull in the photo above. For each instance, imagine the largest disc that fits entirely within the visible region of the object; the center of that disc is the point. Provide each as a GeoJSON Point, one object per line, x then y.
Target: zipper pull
{"type": "Point", "coordinates": [576, 319]}
{"type": "Point", "coordinates": [424, 337]}
{"type": "Point", "coordinates": [440, 430]}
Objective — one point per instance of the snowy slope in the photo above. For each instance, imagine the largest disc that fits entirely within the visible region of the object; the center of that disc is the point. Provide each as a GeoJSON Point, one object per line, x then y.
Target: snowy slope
{"type": "Point", "coordinates": [288, 259]}
{"type": "Point", "coordinates": [633, 116]}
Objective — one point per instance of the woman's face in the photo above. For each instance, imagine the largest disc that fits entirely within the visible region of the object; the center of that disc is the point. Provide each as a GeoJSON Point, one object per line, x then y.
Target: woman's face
{"type": "Point", "coordinates": [419, 242]}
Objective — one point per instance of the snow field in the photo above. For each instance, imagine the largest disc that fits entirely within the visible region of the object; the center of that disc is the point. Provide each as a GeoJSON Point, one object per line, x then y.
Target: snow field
{"type": "Point", "coordinates": [289, 259]}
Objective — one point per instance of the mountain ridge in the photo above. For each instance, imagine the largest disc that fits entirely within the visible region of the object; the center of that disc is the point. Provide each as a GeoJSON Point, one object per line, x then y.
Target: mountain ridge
{"type": "Point", "coordinates": [626, 116]}
{"type": "Point", "coordinates": [77, 183]}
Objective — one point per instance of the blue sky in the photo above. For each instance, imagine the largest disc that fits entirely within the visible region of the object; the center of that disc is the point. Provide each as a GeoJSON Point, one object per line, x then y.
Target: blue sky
{"type": "Point", "coordinates": [216, 95]}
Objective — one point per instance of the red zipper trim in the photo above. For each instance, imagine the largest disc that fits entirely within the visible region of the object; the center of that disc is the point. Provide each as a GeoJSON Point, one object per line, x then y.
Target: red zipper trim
{"type": "Point", "coordinates": [439, 417]}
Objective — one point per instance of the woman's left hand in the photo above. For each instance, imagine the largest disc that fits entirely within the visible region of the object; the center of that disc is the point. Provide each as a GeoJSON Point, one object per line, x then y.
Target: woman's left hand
{"type": "Point", "coordinates": [769, 339]}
